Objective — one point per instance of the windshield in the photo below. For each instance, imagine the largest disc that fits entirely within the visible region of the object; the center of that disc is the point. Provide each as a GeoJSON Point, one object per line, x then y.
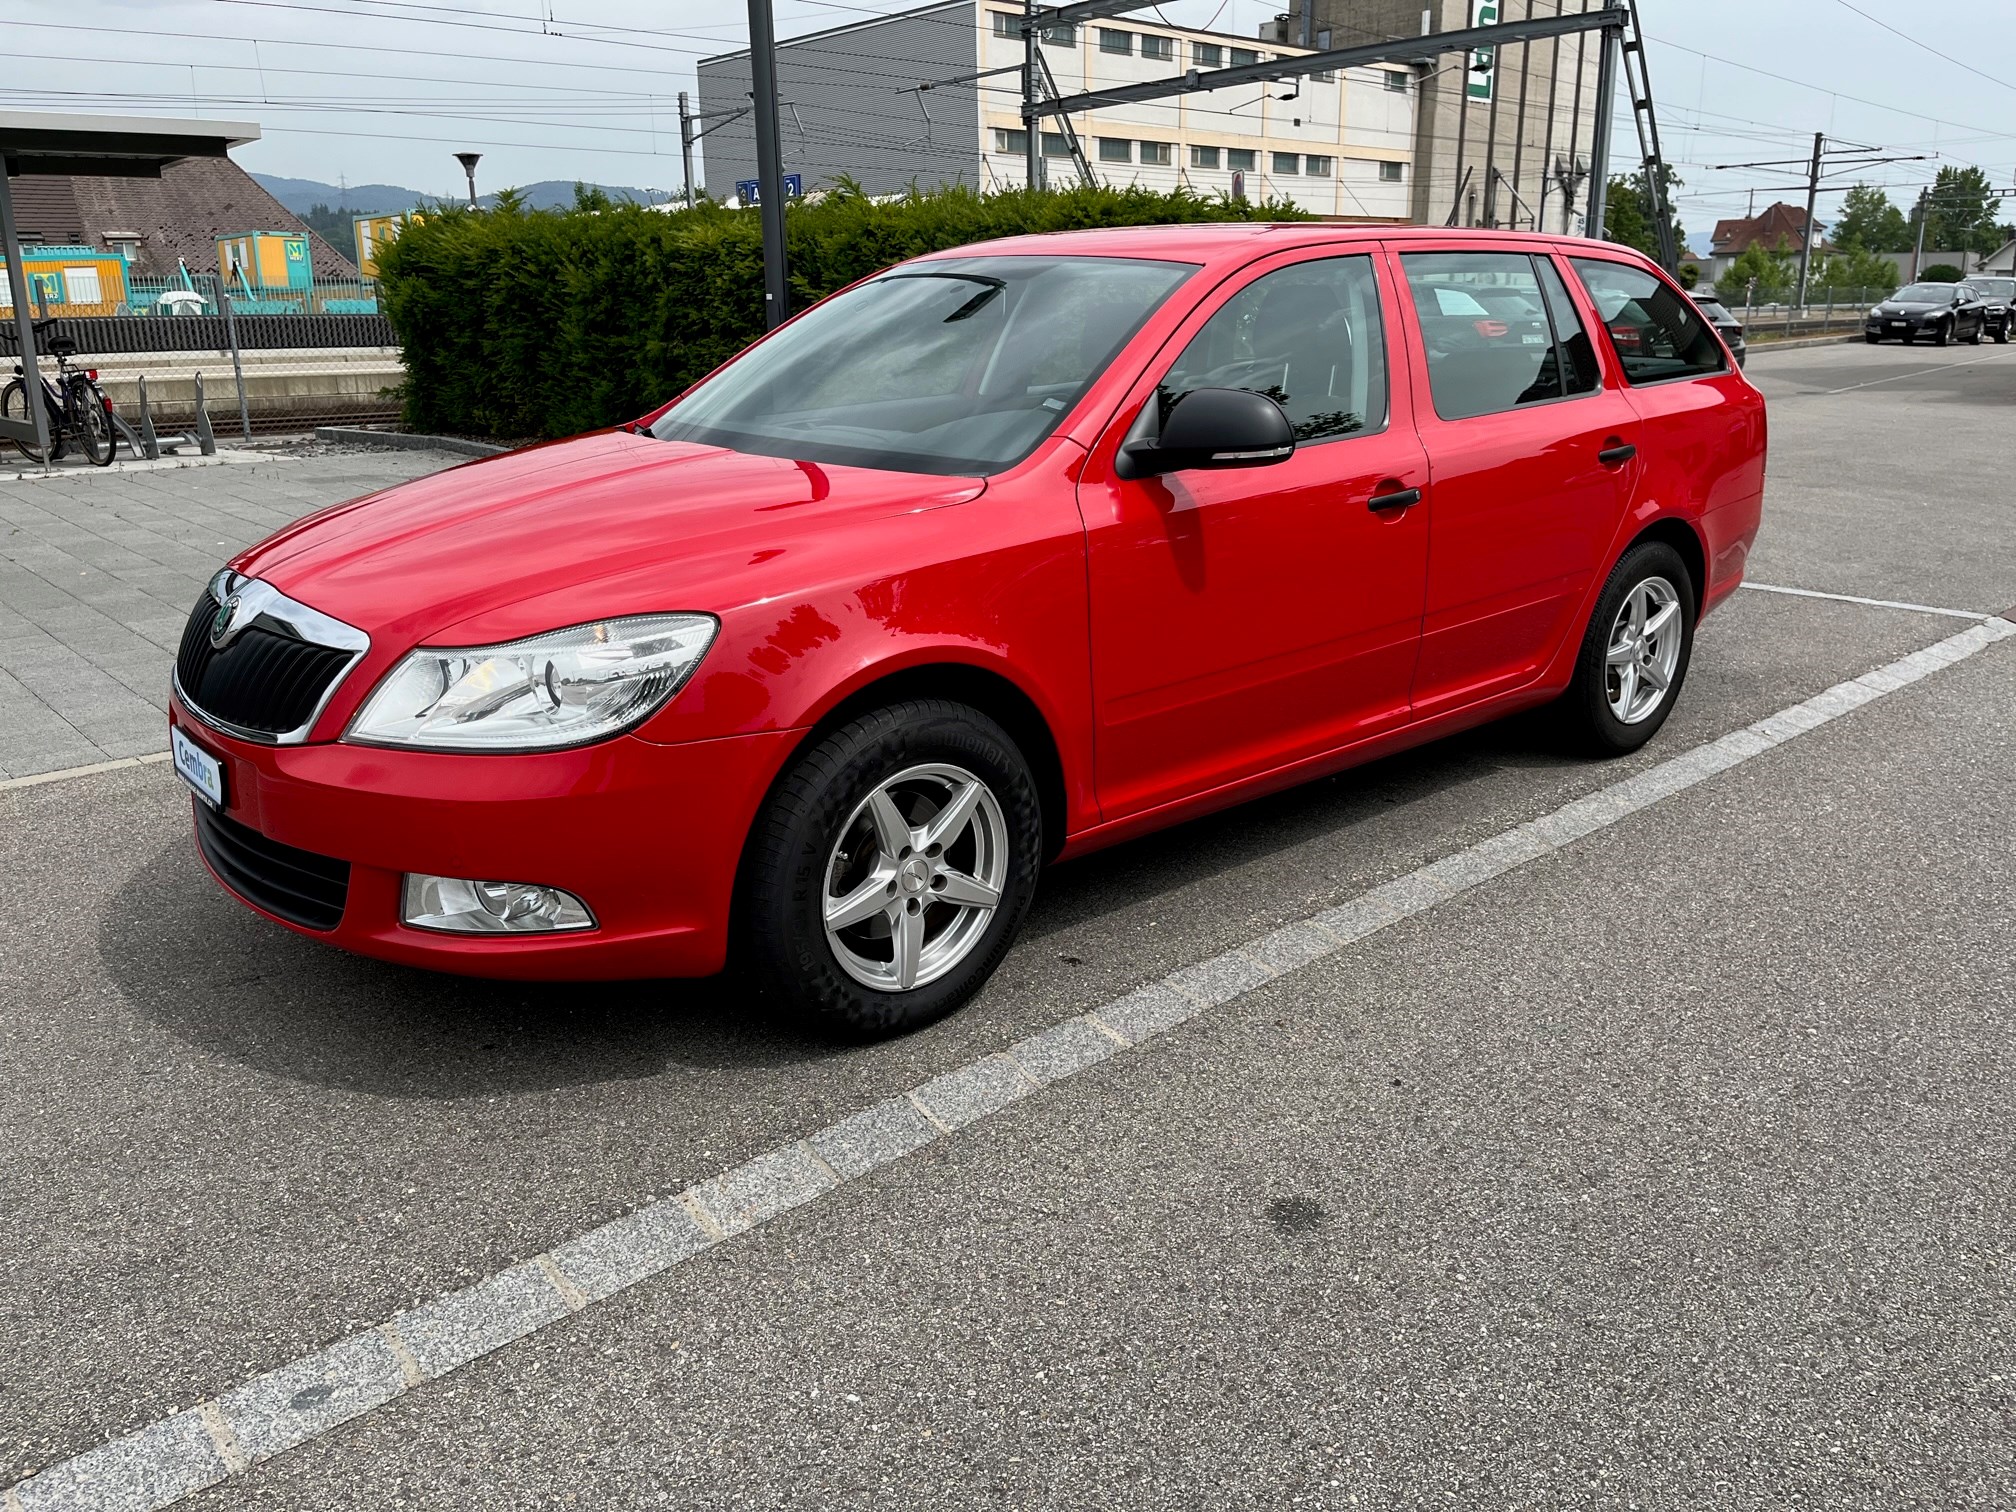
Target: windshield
{"type": "Point", "coordinates": [2001, 288]}
{"type": "Point", "coordinates": [1925, 294]}
{"type": "Point", "coordinates": [957, 366]}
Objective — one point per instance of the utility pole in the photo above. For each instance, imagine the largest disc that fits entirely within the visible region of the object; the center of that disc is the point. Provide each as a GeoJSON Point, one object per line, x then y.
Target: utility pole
{"type": "Point", "coordinates": [1032, 124]}
{"type": "Point", "coordinates": [1812, 201]}
{"type": "Point", "coordinates": [686, 144]}
{"type": "Point", "coordinates": [1599, 139]}
{"type": "Point", "coordinates": [769, 163]}
{"type": "Point", "coordinates": [1924, 214]}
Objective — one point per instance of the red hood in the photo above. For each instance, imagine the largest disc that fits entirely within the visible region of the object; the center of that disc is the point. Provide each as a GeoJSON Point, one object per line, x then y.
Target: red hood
{"type": "Point", "coordinates": [495, 549]}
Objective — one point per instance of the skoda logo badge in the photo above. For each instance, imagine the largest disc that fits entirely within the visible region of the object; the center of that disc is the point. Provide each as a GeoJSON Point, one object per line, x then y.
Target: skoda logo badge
{"type": "Point", "coordinates": [223, 624]}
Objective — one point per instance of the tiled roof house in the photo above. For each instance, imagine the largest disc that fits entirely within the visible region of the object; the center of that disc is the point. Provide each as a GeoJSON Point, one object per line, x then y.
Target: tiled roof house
{"type": "Point", "coordinates": [179, 215]}
{"type": "Point", "coordinates": [1779, 226]}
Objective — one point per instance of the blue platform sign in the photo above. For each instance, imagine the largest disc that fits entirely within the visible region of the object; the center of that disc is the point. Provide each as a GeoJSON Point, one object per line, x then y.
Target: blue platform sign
{"type": "Point", "coordinates": [750, 191]}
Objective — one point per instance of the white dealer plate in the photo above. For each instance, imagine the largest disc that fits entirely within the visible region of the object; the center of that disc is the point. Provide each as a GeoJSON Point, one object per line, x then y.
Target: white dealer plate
{"type": "Point", "coordinates": [198, 768]}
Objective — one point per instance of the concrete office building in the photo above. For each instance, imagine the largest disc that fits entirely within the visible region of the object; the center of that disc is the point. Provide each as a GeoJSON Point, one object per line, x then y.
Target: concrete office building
{"type": "Point", "coordinates": [1487, 142]}
{"type": "Point", "coordinates": [1336, 145]}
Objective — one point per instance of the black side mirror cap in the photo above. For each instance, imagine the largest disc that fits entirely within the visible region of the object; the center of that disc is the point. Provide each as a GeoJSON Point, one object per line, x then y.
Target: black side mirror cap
{"type": "Point", "coordinates": [1208, 428]}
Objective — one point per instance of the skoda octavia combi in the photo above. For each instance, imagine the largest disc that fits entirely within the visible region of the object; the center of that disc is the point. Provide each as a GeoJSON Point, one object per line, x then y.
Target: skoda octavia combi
{"type": "Point", "coordinates": [996, 557]}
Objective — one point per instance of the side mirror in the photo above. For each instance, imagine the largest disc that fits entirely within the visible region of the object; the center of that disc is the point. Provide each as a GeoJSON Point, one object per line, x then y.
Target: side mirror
{"type": "Point", "coordinates": [1209, 427]}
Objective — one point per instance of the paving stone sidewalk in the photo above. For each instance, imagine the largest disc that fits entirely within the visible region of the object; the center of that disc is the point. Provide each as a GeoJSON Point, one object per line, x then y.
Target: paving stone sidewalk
{"type": "Point", "coordinates": [97, 575]}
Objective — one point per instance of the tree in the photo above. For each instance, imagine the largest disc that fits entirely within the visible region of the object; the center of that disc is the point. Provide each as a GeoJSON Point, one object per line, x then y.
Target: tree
{"type": "Point", "coordinates": [330, 224]}
{"type": "Point", "coordinates": [1760, 274]}
{"type": "Point", "coordinates": [1960, 213]}
{"type": "Point", "coordinates": [1870, 222]}
{"type": "Point", "coordinates": [1627, 218]}
{"type": "Point", "coordinates": [1689, 274]}
{"type": "Point", "coordinates": [1854, 269]}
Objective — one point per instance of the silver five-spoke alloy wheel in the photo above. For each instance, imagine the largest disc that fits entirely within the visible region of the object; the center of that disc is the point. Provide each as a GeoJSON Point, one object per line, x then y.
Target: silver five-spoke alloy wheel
{"type": "Point", "coordinates": [1644, 650]}
{"type": "Point", "coordinates": [915, 877]}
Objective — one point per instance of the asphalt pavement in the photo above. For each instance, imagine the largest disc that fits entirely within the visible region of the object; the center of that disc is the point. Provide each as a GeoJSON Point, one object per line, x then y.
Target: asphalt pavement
{"type": "Point", "coordinates": [1670, 1167]}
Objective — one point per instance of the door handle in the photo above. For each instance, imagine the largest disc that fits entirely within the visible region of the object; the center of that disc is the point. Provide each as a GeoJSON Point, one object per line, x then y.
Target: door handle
{"type": "Point", "coordinates": [1401, 498]}
{"type": "Point", "coordinates": [1617, 456]}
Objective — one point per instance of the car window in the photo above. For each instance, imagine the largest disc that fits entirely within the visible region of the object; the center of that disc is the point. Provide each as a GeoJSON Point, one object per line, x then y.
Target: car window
{"type": "Point", "coordinates": [1655, 331]}
{"type": "Point", "coordinates": [954, 365]}
{"type": "Point", "coordinates": [1484, 360]}
{"type": "Point", "coordinates": [1578, 356]}
{"type": "Point", "coordinates": [1309, 336]}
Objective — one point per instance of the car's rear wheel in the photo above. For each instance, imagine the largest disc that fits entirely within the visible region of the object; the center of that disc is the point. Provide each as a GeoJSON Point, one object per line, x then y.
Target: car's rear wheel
{"type": "Point", "coordinates": [1635, 653]}
{"type": "Point", "coordinates": [892, 867]}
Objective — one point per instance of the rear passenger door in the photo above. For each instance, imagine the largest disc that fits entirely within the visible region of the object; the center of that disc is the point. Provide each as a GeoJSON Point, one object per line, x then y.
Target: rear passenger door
{"type": "Point", "coordinates": [1531, 460]}
{"type": "Point", "coordinates": [1703, 452]}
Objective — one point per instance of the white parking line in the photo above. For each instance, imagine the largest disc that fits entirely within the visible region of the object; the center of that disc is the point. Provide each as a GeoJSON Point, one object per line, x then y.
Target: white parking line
{"type": "Point", "coordinates": [1941, 367]}
{"type": "Point", "coordinates": [270, 1414]}
{"type": "Point", "coordinates": [1849, 598]}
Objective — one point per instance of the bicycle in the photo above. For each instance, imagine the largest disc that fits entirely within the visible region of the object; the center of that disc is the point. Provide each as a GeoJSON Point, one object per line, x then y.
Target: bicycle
{"type": "Point", "coordinates": [74, 404]}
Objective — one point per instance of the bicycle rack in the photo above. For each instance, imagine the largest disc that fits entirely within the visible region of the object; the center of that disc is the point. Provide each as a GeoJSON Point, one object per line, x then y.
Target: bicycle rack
{"type": "Point", "coordinates": [149, 444]}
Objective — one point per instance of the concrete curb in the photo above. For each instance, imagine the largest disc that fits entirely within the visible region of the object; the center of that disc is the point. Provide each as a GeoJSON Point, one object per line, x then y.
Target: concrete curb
{"type": "Point", "coordinates": [403, 441]}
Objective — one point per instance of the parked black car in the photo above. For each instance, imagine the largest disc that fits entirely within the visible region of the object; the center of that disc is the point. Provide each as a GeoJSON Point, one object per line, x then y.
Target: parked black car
{"type": "Point", "coordinates": [1727, 326]}
{"type": "Point", "coordinates": [1999, 294]}
{"type": "Point", "coordinates": [1941, 312]}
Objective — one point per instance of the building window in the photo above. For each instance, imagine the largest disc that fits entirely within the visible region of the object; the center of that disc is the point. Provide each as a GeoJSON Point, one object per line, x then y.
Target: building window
{"type": "Point", "coordinates": [1241, 159]}
{"type": "Point", "coordinates": [1115, 150]}
{"type": "Point", "coordinates": [1006, 25]}
{"type": "Point", "coordinates": [1319, 167]}
{"type": "Point", "coordinates": [1163, 48]}
{"type": "Point", "coordinates": [1011, 141]}
{"type": "Point", "coordinates": [81, 287]}
{"type": "Point", "coordinates": [1392, 173]}
{"type": "Point", "coordinates": [1244, 55]}
{"type": "Point", "coordinates": [1055, 145]}
{"type": "Point", "coordinates": [1206, 55]}
{"type": "Point", "coordinates": [1396, 81]}
{"type": "Point", "coordinates": [1286, 163]}
{"type": "Point", "coordinates": [1203, 157]}
{"type": "Point", "coordinates": [1113, 41]}
{"type": "Point", "coordinates": [1155, 154]}
{"type": "Point", "coordinates": [1060, 36]}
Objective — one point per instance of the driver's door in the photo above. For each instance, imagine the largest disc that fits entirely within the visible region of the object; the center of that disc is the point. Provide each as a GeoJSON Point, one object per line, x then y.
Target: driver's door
{"type": "Point", "coordinates": [1245, 619]}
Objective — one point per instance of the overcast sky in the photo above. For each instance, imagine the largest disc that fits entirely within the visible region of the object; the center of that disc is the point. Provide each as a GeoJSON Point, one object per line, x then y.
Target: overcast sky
{"type": "Point", "coordinates": [371, 91]}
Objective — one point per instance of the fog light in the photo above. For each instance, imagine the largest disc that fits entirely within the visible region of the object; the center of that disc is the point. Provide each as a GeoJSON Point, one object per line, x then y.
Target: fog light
{"type": "Point", "coordinates": [466, 907]}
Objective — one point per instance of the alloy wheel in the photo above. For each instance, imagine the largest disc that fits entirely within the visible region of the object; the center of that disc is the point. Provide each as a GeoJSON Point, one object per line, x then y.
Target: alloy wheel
{"type": "Point", "coordinates": [915, 877]}
{"type": "Point", "coordinates": [1644, 650]}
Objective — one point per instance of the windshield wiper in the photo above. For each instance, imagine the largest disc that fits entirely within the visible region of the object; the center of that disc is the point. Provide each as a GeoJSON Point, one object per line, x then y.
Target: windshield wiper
{"type": "Point", "coordinates": [972, 306]}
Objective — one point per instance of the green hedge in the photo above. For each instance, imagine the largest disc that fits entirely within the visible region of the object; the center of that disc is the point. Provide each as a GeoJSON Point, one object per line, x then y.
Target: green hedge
{"type": "Point", "coordinates": [520, 322]}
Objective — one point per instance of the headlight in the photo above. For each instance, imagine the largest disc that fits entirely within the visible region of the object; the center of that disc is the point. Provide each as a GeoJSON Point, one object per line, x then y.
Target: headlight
{"type": "Point", "coordinates": [564, 688]}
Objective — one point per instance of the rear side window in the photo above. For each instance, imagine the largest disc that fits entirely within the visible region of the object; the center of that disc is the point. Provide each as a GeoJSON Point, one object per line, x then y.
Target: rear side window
{"type": "Point", "coordinates": [1499, 332]}
{"type": "Point", "coordinates": [1308, 336]}
{"type": "Point", "coordinates": [1656, 332]}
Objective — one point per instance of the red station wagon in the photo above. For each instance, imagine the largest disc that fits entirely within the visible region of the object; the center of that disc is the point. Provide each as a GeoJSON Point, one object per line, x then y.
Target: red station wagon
{"type": "Point", "coordinates": [999, 556]}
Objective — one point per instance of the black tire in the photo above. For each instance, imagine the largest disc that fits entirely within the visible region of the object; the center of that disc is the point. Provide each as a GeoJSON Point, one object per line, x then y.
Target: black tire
{"type": "Point", "coordinates": [94, 425]}
{"type": "Point", "coordinates": [2002, 336]}
{"type": "Point", "coordinates": [1872, 340]}
{"type": "Point", "coordinates": [1974, 339]}
{"type": "Point", "coordinates": [1943, 334]}
{"type": "Point", "coordinates": [1586, 717]}
{"type": "Point", "coordinates": [784, 882]}
{"type": "Point", "coordinates": [13, 406]}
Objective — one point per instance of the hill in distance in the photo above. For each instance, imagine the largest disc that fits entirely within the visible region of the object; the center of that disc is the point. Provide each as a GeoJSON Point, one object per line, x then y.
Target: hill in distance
{"type": "Point", "coordinates": [300, 195]}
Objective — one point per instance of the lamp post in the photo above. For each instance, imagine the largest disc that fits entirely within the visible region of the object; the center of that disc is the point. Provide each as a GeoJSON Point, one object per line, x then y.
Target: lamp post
{"type": "Point", "coordinates": [469, 160]}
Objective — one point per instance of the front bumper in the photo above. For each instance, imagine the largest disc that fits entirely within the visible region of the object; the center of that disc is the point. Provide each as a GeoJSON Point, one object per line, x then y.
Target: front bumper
{"type": "Point", "coordinates": [649, 835]}
{"type": "Point", "coordinates": [1902, 325]}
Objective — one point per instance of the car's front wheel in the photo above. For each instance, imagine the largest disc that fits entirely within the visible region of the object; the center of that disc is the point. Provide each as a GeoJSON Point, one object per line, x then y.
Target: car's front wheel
{"type": "Point", "coordinates": [1942, 333]}
{"type": "Point", "coordinates": [892, 867]}
{"type": "Point", "coordinates": [1872, 338]}
{"type": "Point", "coordinates": [1634, 654]}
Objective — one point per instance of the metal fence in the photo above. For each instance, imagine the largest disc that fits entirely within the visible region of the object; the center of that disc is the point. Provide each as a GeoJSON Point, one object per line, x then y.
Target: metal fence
{"type": "Point", "coordinates": [173, 296]}
{"type": "Point", "coordinates": [260, 372]}
{"type": "Point", "coordinates": [1826, 311]}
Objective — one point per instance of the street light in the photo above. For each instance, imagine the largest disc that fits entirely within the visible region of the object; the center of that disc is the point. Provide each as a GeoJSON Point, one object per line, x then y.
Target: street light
{"type": "Point", "coordinates": [469, 160]}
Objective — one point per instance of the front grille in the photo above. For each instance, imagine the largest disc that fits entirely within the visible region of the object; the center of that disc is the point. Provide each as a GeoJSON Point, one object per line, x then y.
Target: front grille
{"type": "Point", "coordinates": [297, 885]}
{"type": "Point", "coordinates": [267, 680]}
